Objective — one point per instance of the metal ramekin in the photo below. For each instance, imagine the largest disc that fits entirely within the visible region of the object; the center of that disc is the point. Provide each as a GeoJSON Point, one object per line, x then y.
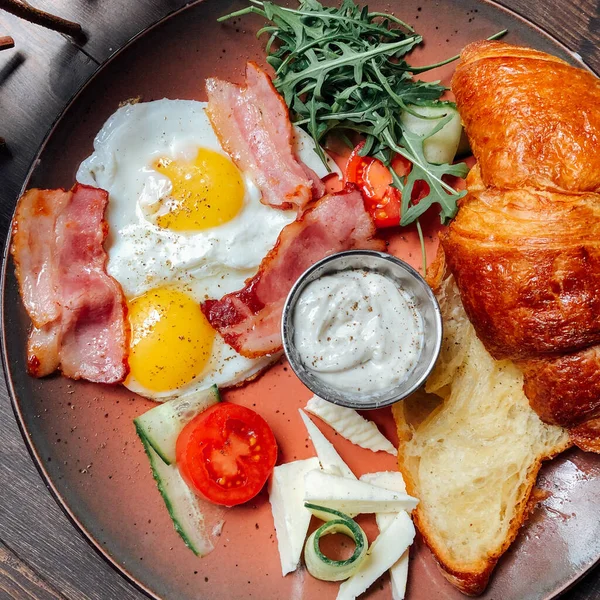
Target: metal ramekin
{"type": "Point", "coordinates": [406, 278]}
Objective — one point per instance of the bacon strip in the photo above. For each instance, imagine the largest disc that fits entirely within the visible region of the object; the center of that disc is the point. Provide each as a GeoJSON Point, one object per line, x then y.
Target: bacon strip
{"type": "Point", "coordinates": [249, 320]}
{"type": "Point", "coordinates": [78, 311]}
{"type": "Point", "coordinates": [253, 126]}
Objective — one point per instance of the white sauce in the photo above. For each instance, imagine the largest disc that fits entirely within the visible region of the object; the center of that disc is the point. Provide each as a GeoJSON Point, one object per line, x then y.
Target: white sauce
{"type": "Point", "coordinates": [357, 331]}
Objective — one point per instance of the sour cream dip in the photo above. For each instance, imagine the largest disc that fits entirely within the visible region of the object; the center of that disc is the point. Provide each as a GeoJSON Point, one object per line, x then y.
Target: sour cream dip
{"type": "Point", "coordinates": [357, 331]}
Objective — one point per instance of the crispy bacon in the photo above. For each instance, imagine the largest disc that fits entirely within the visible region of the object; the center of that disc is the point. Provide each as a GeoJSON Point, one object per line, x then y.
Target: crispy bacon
{"type": "Point", "coordinates": [249, 320]}
{"type": "Point", "coordinates": [78, 311]}
{"type": "Point", "coordinates": [253, 126]}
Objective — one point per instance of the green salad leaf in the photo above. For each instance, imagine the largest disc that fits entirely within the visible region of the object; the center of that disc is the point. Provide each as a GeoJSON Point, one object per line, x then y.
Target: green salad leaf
{"type": "Point", "coordinates": [343, 69]}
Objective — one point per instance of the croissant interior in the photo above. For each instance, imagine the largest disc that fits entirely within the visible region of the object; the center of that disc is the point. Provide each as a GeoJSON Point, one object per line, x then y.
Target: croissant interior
{"type": "Point", "coordinates": [470, 449]}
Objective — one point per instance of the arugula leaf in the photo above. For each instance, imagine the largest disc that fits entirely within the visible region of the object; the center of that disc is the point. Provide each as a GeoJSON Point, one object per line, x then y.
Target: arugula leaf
{"type": "Point", "coordinates": [439, 192]}
{"type": "Point", "coordinates": [342, 69]}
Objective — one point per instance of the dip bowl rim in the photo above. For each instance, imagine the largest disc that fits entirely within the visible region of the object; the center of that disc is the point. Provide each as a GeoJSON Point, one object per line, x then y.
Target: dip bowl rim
{"type": "Point", "coordinates": [427, 305]}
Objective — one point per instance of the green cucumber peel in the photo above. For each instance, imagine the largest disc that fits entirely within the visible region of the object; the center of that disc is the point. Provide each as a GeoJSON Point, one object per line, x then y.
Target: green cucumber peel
{"type": "Point", "coordinates": [162, 424]}
{"type": "Point", "coordinates": [321, 566]}
{"type": "Point", "coordinates": [165, 496]}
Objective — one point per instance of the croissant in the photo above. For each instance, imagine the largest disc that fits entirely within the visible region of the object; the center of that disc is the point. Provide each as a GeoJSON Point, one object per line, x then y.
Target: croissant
{"type": "Point", "coordinates": [524, 247]}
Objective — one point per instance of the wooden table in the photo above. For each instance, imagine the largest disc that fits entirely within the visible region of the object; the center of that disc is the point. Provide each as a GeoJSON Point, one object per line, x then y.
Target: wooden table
{"type": "Point", "coordinates": [41, 553]}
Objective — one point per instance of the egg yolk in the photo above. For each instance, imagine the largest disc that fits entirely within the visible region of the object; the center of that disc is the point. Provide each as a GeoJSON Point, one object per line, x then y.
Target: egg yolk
{"type": "Point", "coordinates": [206, 192]}
{"type": "Point", "coordinates": [171, 339]}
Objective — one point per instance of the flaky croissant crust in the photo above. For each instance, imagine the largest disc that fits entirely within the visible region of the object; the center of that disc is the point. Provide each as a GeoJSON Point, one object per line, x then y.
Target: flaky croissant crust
{"type": "Point", "coordinates": [532, 119]}
{"type": "Point", "coordinates": [525, 245]}
{"type": "Point", "coordinates": [528, 267]}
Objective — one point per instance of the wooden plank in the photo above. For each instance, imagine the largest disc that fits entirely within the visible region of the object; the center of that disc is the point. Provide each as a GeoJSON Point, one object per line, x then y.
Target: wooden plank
{"type": "Point", "coordinates": [41, 548]}
{"type": "Point", "coordinates": [575, 24]}
{"type": "Point", "coordinates": [587, 589]}
{"type": "Point", "coordinates": [582, 35]}
{"type": "Point", "coordinates": [31, 13]}
{"type": "Point", "coordinates": [110, 24]}
{"type": "Point", "coordinates": [19, 580]}
{"type": "Point", "coordinates": [37, 78]}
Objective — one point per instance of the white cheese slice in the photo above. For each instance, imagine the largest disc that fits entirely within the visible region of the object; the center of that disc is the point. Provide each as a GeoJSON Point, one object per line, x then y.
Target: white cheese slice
{"type": "Point", "coordinates": [286, 494]}
{"type": "Point", "coordinates": [399, 577]}
{"type": "Point", "coordinates": [385, 551]}
{"type": "Point", "coordinates": [391, 480]}
{"type": "Point", "coordinates": [349, 424]}
{"type": "Point", "coordinates": [353, 496]}
{"type": "Point", "coordinates": [331, 461]}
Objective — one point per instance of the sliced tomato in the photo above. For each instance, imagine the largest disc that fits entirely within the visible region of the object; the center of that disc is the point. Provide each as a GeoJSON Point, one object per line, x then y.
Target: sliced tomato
{"type": "Point", "coordinates": [373, 179]}
{"type": "Point", "coordinates": [226, 453]}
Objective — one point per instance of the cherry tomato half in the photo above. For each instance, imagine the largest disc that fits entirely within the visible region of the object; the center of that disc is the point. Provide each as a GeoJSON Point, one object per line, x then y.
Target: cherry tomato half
{"type": "Point", "coordinates": [373, 179]}
{"type": "Point", "coordinates": [226, 453]}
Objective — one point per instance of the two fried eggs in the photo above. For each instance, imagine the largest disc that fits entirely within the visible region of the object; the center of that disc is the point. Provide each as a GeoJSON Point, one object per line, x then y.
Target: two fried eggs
{"type": "Point", "coordinates": [185, 224]}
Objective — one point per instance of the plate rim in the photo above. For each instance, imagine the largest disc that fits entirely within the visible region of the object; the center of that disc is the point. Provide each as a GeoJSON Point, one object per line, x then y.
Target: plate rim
{"type": "Point", "coordinates": [14, 400]}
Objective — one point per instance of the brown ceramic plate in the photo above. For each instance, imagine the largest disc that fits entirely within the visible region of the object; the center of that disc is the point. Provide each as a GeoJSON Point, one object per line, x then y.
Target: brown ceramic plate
{"type": "Point", "coordinates": [81, 435]}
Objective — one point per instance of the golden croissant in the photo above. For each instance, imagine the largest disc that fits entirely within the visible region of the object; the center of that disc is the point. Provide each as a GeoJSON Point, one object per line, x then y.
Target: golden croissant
{"type": "Point", "coordinates": [524, 247]}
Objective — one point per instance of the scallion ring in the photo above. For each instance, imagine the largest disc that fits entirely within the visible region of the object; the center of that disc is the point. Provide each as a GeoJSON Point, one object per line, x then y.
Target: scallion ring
{"type": "Point", "coordinates": [321, 566]}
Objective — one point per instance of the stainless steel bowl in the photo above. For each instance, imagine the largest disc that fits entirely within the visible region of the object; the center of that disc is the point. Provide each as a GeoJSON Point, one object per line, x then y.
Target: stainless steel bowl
{"type": "Point", "coordinates": [407, 279]}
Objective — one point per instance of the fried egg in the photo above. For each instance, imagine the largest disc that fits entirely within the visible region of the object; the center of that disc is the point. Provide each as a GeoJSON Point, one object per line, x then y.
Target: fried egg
{"type": "Point", "coordinates": [185, 224]}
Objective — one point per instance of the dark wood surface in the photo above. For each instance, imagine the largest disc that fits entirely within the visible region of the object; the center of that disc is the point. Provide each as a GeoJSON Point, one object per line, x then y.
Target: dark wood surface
{"type": "Point", "coordinates": [42, 556]}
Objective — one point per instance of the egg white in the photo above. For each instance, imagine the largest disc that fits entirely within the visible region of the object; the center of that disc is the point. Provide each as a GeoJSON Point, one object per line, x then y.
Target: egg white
{"type": "Point", "coordinates": [143, 256]}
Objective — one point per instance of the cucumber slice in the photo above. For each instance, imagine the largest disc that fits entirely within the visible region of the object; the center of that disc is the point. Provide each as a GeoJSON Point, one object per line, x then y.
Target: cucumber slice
{"type": "Point", "coordinates": [321, 566]}
{"type": "Point", "coordinates": [181, 503]}
{"type": "Point", "coordinates": [464, 146]}
{"type": "Point", "coordinates": [162, 424]}
{"type": "Point", "coordinates": [441, 147]}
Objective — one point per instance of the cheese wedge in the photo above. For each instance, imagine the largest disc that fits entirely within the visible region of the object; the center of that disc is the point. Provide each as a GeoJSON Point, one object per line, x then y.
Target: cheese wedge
{"type": "Point", "coordinates": [349, 424]}
{"type": "Point", "coordinates": [384, 552]}
{"type": "Point", "coordinates": [391, 480]}
{"type": "Point", "coordinates": [353, 496]}
{"type": "Point", "coordinates": [286, 495]}
{"type": "Point", "coordinates": [331, 461]}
